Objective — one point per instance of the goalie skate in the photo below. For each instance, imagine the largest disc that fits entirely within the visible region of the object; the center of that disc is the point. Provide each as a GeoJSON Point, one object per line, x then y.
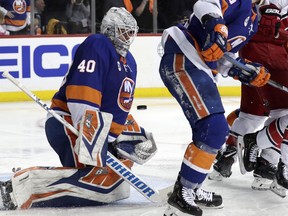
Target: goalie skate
{"type": "Point", "coordinates": [240, 149]}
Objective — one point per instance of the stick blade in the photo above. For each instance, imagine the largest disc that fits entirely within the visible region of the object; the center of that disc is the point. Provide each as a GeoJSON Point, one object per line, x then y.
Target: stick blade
{"type": "Point", "coordinates": [240, 150]}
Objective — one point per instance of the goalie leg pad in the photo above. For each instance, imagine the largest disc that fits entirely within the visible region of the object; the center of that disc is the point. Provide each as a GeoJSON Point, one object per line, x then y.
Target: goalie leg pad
{"type": "Point", "coordinates": [66, 187]}
{"type": "Point", "coordinates": [92, 143]}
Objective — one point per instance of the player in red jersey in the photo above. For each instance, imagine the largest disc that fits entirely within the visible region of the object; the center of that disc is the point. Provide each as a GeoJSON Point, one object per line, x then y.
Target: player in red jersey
{"type": "Point", "coordinates": [261, 106]}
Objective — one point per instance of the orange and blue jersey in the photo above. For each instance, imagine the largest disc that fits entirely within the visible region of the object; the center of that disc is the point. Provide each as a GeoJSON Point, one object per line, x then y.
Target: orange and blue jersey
{"type": "Point", "coordinates": [240, 18]}
{"type": "Point", "coordinates": [99, 78]}
{"type": "Point", "coordinates": [192, 80]}
{"type": "Point", "coordinates": [21, 12]}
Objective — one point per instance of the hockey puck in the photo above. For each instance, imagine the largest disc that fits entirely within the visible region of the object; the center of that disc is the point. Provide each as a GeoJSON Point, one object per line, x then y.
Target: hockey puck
{"type": "Point", "coordinates": [141, 107]}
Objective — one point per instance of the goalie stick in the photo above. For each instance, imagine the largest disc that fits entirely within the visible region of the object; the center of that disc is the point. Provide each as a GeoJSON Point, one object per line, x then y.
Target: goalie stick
{"type": "Point", "coordinates": [244, 67]}
{"type": "Point", "coordinates": [115, 164]}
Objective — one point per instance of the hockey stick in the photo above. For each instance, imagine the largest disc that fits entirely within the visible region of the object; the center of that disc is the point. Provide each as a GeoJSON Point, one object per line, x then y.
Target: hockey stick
{"type": "Point", "coordinates": [115, 164]}
{"type": "Point", "coordinates": [240, 144]}
{"type": "Point", "coordinates": [240, 148]}
{"type": "Point", "coordinates": [250, 70]}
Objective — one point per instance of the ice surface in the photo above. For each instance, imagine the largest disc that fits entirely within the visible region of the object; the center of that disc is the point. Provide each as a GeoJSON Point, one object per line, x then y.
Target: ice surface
{"type": "Point", "coordinates": [23, 144]}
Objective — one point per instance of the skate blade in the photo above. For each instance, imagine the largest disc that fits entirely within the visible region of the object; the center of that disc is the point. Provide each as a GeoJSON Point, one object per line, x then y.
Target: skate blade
{"type": "Point", "coordinates": [240, 149]}
{"type": "Point", "coordinates": [203, 206]}
{"type": "Point", "coordinates": [261, 184]}
{"type": "Point", "coordinates": [278, 189]}
{"type": "Point", "coordinates": [216, 176]}
{"type": "Point", "coordinates": [172, 211]}
{"type": "Point", "coordinates": [169, 212]}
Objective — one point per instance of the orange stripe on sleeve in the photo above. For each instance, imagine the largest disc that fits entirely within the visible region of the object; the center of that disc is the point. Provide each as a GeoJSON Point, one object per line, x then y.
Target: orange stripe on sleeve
{"type": "Point", "coordinates": [84, 93]}
{"type": "Point", "coordinates": [60, 104]}
{"type": "Point", "coordinates": [116, 128]}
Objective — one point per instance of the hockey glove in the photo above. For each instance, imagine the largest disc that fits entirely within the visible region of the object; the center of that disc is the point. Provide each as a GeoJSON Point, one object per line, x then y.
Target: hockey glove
{"type": "Point", "coordinates": [216, 41]}
{"type": "Point", "coordinates": [134, 143]}
{"type": "Point", "coordinates": [270, 21]}
{"type": "Point", "coordinates": [258, 77]}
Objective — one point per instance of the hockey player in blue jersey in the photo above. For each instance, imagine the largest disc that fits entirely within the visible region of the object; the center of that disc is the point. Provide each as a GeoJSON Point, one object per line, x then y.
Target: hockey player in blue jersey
{"type": "Point", "coordinates": [193, 57]}
{"type": "Point", "coordinates": [95, 97]}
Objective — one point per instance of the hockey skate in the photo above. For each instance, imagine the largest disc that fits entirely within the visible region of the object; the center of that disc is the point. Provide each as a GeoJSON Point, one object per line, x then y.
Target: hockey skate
{"type": "Point", "coordinates": [264, 174]}
{"type": "Point", "coordinates": [250, 152]}
{"type": "Point", "coordinates": [280, 183]}
{"type": "Point", "coordinates": [222, 168]}
{"type": "Point", "coordinates": [6, 194]}
{"type": "Point", "coordinates": [219, 154]}
{"type": "Point", "coordinates": [207, 199]}
{"type": "Point", "coordinates": [182, 202]}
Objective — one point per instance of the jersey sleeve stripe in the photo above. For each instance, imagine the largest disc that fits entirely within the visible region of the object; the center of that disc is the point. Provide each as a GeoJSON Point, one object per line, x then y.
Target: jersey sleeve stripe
{"type": "Point", "coordinates": [85, 93]}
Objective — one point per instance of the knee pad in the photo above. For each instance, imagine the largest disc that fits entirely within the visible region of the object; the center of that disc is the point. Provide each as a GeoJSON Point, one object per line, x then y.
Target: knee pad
{"type": "Point", "coordinates": [212, 130]}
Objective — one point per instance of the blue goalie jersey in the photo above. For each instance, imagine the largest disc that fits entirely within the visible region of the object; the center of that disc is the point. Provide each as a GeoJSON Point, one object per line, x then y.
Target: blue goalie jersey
{"type": "Point", "coordinates": [99, 78]}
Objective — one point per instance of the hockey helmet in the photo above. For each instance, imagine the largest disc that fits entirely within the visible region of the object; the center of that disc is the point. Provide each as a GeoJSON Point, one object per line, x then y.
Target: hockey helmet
{"type": "Point", "coordinates": [121, 27]}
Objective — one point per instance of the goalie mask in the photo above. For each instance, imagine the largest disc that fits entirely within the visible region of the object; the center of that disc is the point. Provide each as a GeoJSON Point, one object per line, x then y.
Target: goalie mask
{"type": "Point", "coordinates": [121, 27]}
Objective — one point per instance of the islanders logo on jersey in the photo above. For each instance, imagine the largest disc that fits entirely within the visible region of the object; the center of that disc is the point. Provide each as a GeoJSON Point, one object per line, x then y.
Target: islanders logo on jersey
{"type": "Point", "coordinates": [20, 6]}
{"type": "Point", "coordinates": [126, 94]}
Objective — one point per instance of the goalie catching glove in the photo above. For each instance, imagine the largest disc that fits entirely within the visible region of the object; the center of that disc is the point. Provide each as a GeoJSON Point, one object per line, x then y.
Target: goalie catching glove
{"type": "Point", "coordinates": [134, 143]}
{"type": "Point", "coordinates": [258, 76]}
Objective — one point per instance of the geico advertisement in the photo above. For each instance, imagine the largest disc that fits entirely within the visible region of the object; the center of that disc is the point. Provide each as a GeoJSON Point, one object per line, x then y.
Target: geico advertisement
{"type": "Point", "coordinates": [41, 62]}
